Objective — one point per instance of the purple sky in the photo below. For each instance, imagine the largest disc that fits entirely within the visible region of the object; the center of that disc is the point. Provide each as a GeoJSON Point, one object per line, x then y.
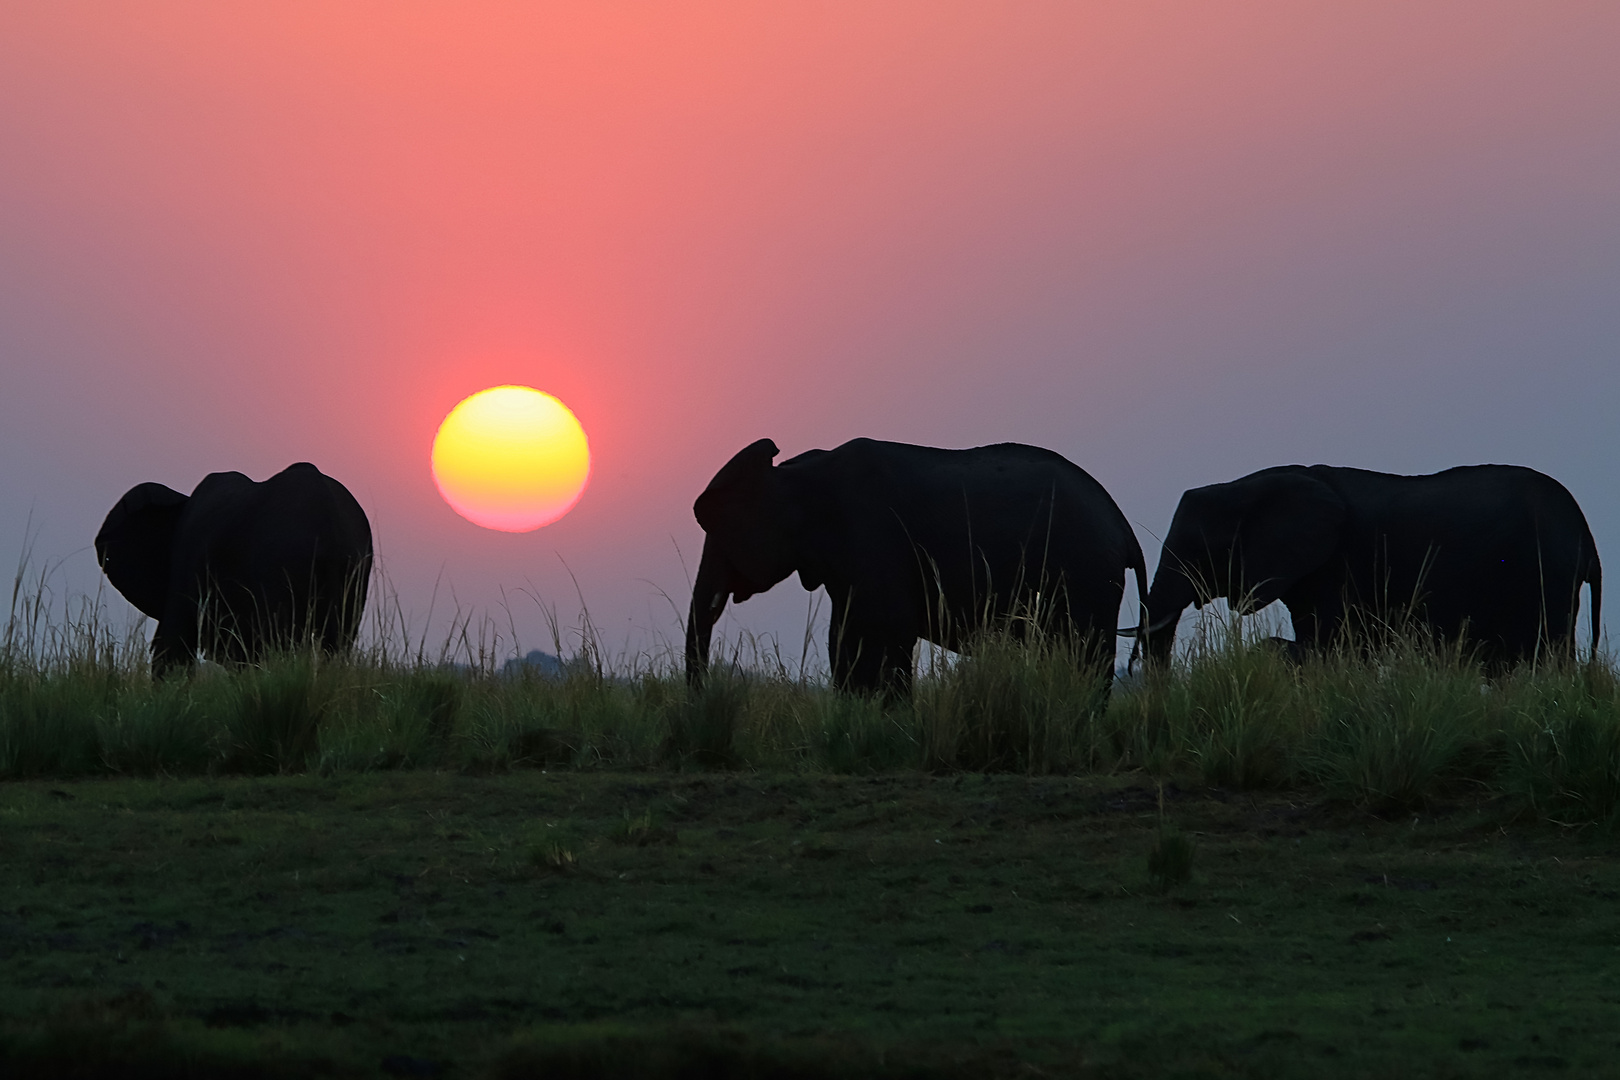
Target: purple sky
{"type": "Point", "coordinates": [1174, 242]}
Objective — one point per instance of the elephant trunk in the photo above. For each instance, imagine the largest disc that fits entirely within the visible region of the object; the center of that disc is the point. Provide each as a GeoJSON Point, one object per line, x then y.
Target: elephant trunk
{"type": "Point", "coordinates": [1172, 591]}
{"type": "Point", "coordinates": [709, 595]}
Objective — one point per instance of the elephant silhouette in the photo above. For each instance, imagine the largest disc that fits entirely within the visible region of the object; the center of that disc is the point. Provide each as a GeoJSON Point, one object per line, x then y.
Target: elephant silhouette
{"type": "Point", "coordinates": [914, 542]}
{"type": "Point", "coordinates": [1492, 555]}
{"type": "Point", "coordinates": [238, 568]}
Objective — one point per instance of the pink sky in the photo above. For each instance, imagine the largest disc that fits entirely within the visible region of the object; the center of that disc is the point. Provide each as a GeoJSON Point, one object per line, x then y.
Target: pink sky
{"type": "Point", "coordinates": [1175, 242]}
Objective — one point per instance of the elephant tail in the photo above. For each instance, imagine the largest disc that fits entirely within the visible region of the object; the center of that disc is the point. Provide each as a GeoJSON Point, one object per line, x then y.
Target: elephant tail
{"type": "Point", "coordinates": [1594, 577]}
{"type": "Point", "coordinates": [1140, 644]}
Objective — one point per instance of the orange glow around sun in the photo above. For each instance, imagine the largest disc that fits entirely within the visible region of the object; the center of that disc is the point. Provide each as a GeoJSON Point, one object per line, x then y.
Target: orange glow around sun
{"type": "Point", "coordinates": [511, 458]}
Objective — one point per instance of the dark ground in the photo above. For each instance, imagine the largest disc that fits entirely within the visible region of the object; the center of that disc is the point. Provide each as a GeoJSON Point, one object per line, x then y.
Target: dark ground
{"type": "Point", "coordinates": [657, 924]}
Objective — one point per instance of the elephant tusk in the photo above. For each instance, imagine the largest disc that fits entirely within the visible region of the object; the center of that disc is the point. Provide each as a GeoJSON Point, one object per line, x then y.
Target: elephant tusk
{"type": "Point", "coordinates": [1168, 620]}
{"type": "Point", "coordinates": [717, 603]}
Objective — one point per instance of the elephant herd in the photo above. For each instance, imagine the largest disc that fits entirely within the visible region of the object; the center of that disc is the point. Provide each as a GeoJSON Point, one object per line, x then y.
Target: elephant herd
{"type": "Point", "coordinates": [915, 542]}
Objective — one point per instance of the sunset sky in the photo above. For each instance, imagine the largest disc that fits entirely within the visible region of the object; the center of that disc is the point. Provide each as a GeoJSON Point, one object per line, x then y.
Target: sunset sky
{"type": "Point", "coordinates": [1175, 242]}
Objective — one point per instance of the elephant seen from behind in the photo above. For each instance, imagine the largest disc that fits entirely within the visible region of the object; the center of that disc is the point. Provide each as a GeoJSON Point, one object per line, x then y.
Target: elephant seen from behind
{"type": "Point", "coordinates": [914, 542]}
{"type": "Point", "coordinates": [1490, 555]}
{"type": "Point", "coordinates": [238, 568]}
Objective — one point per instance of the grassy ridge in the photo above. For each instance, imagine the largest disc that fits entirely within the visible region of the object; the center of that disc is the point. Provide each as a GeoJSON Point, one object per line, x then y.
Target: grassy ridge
{"type": "Point", "coordinates": [1389, 731]}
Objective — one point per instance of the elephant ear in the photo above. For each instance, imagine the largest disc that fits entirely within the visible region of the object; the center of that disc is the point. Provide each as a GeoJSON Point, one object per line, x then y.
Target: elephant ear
{"type": "Point", "coordinates": [743, 512]}
{"type": "Point", "coordinates": [1291, 528]}
{"type": "Point", "coordinates": [747, 472]}
{"type": "Point", "coordinates": [135, 542]}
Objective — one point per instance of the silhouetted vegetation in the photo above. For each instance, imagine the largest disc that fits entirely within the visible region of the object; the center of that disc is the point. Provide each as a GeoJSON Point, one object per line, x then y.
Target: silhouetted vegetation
{"type": "Point", "coordinates": [1388, 728]}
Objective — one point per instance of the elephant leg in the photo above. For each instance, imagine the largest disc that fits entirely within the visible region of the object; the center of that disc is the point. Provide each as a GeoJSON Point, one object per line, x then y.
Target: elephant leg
{"type": "Point", "coordinates": [874, 666]}
{"type": "Point", "coordinates": [1291, 651]}
{"type": "Point", "coordinates": [340, 604]}
{"type": "Point", "coordinates": [896, 671]}
{"type": "Point", "coordinates": [1307, 630]}
{"type": "Point", "coordinates": [230, 631]}
{"type": "Point", "coordinates": [174, 644]}
{"type": "Point", "coordinates": [1315, 629]}
{"type": "Point", "coordinates": [1095, 652]}
{"type": "Point", "coordinates": [1099, 656]}
{"type": "Point", "coordinates": [869, 660]}
{"type": "Point", "coordinates": [333, 630]}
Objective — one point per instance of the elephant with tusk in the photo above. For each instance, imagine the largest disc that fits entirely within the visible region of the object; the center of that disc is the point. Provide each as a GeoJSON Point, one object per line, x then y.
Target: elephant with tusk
{"type": "Point", "coordinates": [914, 542]}
{"type": "Point", "coordinates": [1492, 555]}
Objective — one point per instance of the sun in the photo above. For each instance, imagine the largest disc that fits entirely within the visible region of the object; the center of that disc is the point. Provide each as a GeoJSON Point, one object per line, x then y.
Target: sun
{"type": "Point", "coordinates": [511, 458]}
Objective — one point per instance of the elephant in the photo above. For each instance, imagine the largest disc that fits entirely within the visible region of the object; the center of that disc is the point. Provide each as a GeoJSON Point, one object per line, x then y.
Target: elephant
{"type": "Point", "coordinates": [914, 542]}
{"type": "Point", "coordinates": [1492, 556]}
{"type": "Point", "coordinates": [240, 568]}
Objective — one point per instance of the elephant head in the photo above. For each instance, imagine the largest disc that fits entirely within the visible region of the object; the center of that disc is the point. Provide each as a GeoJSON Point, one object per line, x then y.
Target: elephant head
{"type": "Point", "coordinates": [750, 526]}
{"type": "Point", "coordinates": [1248, 541]}
{"type": "Point", "coordinates": [134, 544]}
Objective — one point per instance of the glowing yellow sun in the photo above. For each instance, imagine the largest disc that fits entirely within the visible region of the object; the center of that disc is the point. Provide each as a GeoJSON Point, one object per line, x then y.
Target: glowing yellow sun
{"type": "Point", "coordinates": [511, 458]}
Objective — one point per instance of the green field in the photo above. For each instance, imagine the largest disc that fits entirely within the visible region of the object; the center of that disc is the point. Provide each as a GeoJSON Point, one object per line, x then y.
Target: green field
{"type": "Point", "coordinates": [760, 924]}
{"type": "Point", "coordinates": [1381, 863]}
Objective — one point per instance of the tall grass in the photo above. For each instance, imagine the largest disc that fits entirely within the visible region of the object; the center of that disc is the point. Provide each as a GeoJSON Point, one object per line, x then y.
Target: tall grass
{"type": "Point", "coordinates": [1016, 702]}
{"type": "Point", "coordinates": [1562, 743]}
{"type": "Point", "coordinates": [1230, 712]}
{"type": "Point", "coordinates": [1391, 727]}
